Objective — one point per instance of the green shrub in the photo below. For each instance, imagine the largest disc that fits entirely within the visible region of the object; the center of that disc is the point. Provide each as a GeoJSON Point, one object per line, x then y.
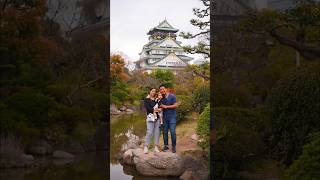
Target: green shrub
{"type": "Point", "coordinates": [238, 139]}
{"type": "Point", "coordinates": [294, 107]}
{"type": "Point", "coordinates": [119, 93]}
{"type": "Point", "coordinates": [35, 107]}
{"type": "Point", "coordinates": [84, 132]}
{"type": "Point", "coordinates": [163, 75]}
{"type": "Point", "coordinates": [307, 166]}
{"type": "Point", "coordinates": [200, 97]}
{"type": "Point", "coordinates": [184, 108]}
{"type": "Point", "coordinates": [71, 116]}
{"type": "Point", "coordinates": [203, 128]}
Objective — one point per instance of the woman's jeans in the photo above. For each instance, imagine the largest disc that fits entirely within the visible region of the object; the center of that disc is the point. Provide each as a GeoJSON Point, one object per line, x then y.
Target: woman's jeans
{"type": "Point", "coordinates": [153, 128]}
{"type": "Point", "coordinates": [170, 124]}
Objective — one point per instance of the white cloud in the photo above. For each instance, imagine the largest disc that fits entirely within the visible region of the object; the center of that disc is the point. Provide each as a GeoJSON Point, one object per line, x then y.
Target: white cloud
{"type": "Point", "coordinates": [130, 20]}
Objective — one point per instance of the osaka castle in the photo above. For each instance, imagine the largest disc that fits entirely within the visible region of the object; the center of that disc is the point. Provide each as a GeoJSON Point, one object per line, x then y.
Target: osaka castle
{"type": "Point", "coordinates": [162, 51]}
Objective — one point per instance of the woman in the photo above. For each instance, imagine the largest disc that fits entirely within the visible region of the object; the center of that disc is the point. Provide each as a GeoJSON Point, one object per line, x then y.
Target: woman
{"type": "Point", "coordinates": [152, 122]}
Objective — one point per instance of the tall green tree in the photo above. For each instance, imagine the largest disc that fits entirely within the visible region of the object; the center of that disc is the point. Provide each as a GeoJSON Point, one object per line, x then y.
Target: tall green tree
{"type": "Point", "coordinates": [297, 27]}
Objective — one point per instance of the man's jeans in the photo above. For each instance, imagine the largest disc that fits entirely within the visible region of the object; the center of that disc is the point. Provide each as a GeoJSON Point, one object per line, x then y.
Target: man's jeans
{"type": "Point", "coordinates": [169, 123]}
{"type": "Point", "coordinates": [153, 128]}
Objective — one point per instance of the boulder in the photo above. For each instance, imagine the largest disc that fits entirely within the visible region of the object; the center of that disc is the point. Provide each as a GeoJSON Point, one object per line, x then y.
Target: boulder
{"type": "Point", "coordinates": [196, 168]}
{"type": "Point", "coordinates": [133, 142]}
{"type": "Point", "coordinates": [62, 155]}
{"type": "Point", "coordinates": [194, 137]}
{"type": "Point", "coordinates": [114, 110]}
{"type": "Point", "coordinates": [128, 157]}
{"type": "Point", "coordinates": [123, 108]}
{"type": "Point", "coordinates": [188, 175]}
{"type": "Point", "coordinates": [15, 160]}
{"type": "Point", "coordinates": [154, 164]}
{"type": "Point", "coordinates": [40, 148]}
{"type": "Point", "coordinates": [27, 157]}
{"type": "Point", "coordinates": [130, 170]}
{"type": "Point", "coordinates": [74, 147]}
{"type": "Point", "coordinates": [129, 111]}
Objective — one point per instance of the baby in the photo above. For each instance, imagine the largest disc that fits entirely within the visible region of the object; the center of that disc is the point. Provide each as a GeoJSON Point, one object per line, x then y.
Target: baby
{"type": "Point", "coordinates": [158, 103]}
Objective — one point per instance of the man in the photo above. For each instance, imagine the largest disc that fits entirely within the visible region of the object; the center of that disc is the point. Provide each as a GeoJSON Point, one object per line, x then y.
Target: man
{"type": "Point", "coordinates": [169, 105]}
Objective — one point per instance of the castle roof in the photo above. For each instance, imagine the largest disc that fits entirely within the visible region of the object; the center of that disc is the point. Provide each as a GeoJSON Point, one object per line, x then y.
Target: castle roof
{"type": "Point", "coordinates": [163, 26]}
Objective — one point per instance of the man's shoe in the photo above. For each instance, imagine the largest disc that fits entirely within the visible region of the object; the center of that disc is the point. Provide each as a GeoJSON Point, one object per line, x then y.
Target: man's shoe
{"type": "Point", "coordinates": [166, 148]}
{"type": "Point", "coordinates": [145, 150]}
{"type": "Point", "coordinates": [174, 150]}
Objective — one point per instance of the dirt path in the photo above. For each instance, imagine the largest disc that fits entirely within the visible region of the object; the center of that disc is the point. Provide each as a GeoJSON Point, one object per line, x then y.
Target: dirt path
{"type": "Point", "coordinates": [184, 131]}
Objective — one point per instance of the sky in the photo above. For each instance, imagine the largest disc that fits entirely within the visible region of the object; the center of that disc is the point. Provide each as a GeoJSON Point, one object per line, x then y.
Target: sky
{"type": "Point", "coordinates": [130, 20]}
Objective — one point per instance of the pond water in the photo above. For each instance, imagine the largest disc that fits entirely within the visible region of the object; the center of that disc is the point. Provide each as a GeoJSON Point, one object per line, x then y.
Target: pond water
{"type": "Point", "coordinates": [124, 128]}
{"type": "Point", "coordinates": [93, 165]}
{"type": "Point", "coordinates": [85, 166]}
{"type": "Point", "coordinates": [121, 129]}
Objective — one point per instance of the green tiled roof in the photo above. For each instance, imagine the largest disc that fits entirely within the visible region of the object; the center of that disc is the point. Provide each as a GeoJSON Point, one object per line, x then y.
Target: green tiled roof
{"type": "Point", "coordinates": [162, 27]}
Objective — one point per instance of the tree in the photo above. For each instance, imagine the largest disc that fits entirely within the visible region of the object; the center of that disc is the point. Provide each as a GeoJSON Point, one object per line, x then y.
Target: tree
{"type": "Point", "coordinates": [296, 28]}
{"type": "Point", "coordinates": [119, 88]}
{"type": "Point", "coordinates": [203, 46]}
{"type": "Point", "coordinates": [203, 23]}
{"type": "Point", "coordinates": [203, 128]}
{"type": "Point", "coordinates": [307, 165]}
{"type": "Point", "coordinates": [162, 75]}
{"type": "Point", "coordinates": [294, 105]}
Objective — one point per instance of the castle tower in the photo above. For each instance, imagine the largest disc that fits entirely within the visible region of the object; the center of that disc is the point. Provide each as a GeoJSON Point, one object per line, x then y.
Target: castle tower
{"type": "Point", "coordinates": [162, 51]}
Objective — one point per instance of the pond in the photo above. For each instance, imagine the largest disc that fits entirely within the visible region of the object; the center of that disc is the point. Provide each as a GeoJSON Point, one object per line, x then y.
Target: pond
{"type": "Point", "coordinates": [122, 128]}
{"type": "Point", "coordinates": [85, 166]}
{"type": "Point", "coordinates": [90, 165]}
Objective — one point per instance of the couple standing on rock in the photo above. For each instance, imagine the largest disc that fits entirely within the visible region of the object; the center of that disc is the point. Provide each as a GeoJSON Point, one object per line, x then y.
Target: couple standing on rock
{"type": "Point", "coordinates": [157, 105]}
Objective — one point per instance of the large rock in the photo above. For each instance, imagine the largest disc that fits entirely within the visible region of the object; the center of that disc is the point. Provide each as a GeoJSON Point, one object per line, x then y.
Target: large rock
{"type": "Point", "coordinates": [129, 111]}
{"type": "Point", "coordinates": [114, 110]}
{"type": "Point", "coordinates": [154, 164]}
{"type": "Point", "coordinates": [133, 142]}
{"type": "Point", "coordinates": [62, 155]}
{"type": "Point", "coordinates": [195, 137]}
{"type": "Point", "coordinates": [123, 108]}
{"type": "Point", "coordinates": [196, 168]}
{"type": "Point", "coordinates": [27, 157]}
{"type": "Point", "coordinates": [195, 175]}
{"type": "Point", "coordinates": [74, 147]}
{"type": "Point", "coordinates": [40, 148]}
{"type": "Point", "coordinates": [128, 157]}
{"type": "Point", "coordinates": [16, 160]}
{"type": "Point", "coordinates": [188, 175]}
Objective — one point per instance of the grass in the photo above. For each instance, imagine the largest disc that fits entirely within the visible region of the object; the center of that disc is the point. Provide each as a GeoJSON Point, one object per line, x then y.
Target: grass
{"type": "Point", "coordinates": [184, 130]}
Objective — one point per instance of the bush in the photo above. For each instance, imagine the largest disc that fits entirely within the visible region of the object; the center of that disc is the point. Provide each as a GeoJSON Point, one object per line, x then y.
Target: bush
{"type": "Point", "coordinates": [238, 140]}
{"type": "Point", "coordinates": [84, 132]}
{"type": "Point", "coordinates": [294, 107]}
{"type": "Point", "coordinates": [203, 128]}
{"type": "Point", "coordinates": [184, 108]}
{"type": "Point", "coordinates": [119, 93]}
{"type": "Point", "coordinates": [35, 107]}
{"type": "Point", "coordinates": [200, 97]}
{"type": "Point", "coordinates": [163, 75]}
{"type": "Point", "coordinates": [307, 166]}
{"type": "Point", "coordinates": [71, 116]}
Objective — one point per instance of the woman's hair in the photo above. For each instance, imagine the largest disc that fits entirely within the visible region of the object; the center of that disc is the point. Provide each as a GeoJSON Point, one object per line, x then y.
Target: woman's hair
{"type": "Point", "coordinates": [150, 89]}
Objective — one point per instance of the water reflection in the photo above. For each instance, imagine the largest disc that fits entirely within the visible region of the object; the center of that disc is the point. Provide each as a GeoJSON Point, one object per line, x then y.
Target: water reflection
{"type": "Point", "coordinates": [84, 166]}
{"type": "Point", "coordinates": [123, 128]}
